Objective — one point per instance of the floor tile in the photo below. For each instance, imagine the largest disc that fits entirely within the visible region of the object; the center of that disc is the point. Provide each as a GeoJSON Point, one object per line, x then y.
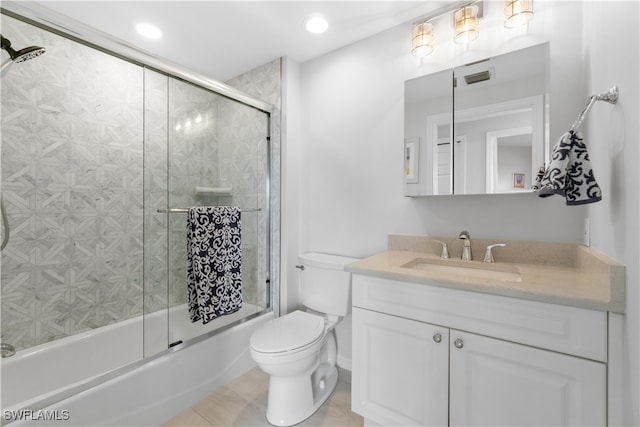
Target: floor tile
{"type": "Point", "coordinates": [187, 418]}
{"type": "Point", "coordinates": [243, 402]}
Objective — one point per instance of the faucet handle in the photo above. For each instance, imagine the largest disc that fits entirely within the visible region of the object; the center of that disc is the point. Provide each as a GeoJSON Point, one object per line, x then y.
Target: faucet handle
{"type": "Point", "coordinates": [445, 251]}
{"type": "Point", "coordinates": [488, 256]}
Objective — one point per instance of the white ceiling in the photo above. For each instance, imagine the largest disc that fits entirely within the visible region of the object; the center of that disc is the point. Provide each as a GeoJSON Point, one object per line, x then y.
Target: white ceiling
{"type": "Point", "coordinates": [222, 39]}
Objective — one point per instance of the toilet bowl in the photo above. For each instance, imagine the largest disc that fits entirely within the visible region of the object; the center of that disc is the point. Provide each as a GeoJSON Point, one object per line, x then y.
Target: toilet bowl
{"type": "Point", "coordinates": [298, 350]}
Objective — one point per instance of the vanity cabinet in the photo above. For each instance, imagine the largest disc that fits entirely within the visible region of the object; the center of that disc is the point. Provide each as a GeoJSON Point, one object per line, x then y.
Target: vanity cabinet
{"type": "Point", "coordinates": [426, 355]}
{"type": "Point", "coordinates": [499, 383]}
{"type": "Point", "coordinates": [400, 370]}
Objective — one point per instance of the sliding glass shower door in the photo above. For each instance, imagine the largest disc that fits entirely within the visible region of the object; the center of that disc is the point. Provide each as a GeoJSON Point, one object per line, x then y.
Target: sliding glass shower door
{"type": "Point", "coordinates": [100, 157]}
{"type": "Point", "coordinates": [201, 149]}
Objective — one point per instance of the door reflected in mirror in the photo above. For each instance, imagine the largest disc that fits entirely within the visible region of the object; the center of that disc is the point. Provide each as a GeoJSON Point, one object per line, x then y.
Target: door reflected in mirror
{"type": "Point", "coordinates": [499, 124]}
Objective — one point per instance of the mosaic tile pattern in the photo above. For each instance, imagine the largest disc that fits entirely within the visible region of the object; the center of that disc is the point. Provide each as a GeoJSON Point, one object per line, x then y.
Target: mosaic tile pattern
{"type": "Point", "coordinates": [223, 145]}
{"type": "Point", "coordinates": [73, 175]}
{"type": "Point", "coordinates": [265, 83]}
{"type": "Point", "coordinates": [155, 193]}
{"type": "Point", "coordinates": [72, 156]}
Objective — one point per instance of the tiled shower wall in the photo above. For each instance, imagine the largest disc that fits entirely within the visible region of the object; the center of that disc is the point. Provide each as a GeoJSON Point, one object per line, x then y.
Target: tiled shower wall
{"type": "Point", "coordinates": [243, 143]}
{"type": "Point", "coordinates": [216, 142]}
{"type": "Point", "coordinates": [155, 195]}
{"type": "Point", "coordinates": [226, 148]}
{"type": "Point", "coordinates": [72, 177]}
{"type": "Point", "coordinates": [72, 182]}
{"type": "Point", "coordinates": [266, 83]}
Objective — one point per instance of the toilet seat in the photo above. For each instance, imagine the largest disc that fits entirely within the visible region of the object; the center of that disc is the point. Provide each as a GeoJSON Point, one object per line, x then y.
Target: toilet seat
{"type": "Point", "coordinates": [289, 333]}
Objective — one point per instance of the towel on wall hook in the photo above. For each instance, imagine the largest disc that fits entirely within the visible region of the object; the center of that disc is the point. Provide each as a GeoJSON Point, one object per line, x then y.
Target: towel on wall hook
{"type": "Point", "coordinates": [570, 174]}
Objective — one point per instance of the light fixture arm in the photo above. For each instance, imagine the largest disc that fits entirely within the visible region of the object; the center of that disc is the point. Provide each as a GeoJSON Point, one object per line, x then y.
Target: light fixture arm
{"type": "Point", "coordinates": [451, 7]}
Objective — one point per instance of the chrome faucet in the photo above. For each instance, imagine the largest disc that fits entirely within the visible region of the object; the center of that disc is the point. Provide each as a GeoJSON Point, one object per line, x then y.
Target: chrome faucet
{"type": "Point", "coordinates": [444, 252]}
{"type": "Point", "coordinates": [466, 248]}
{"type": "Point", "coordinates": [488, 256]}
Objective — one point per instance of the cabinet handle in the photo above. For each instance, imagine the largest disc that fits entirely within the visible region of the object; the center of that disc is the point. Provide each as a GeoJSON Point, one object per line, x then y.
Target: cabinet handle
{"type": "Point", "coordinates": [437, 337]}
{"type": "Point", "coordinates": [458, 343]}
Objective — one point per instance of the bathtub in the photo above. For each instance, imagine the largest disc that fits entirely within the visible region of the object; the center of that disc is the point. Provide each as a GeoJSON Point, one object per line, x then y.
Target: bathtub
{"type": "Point", "coordinates": [40, 375]}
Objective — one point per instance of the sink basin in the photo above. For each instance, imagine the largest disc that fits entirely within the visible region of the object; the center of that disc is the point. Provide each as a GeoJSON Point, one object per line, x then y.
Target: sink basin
{"type": "Point", "coordinates": [467, 269]}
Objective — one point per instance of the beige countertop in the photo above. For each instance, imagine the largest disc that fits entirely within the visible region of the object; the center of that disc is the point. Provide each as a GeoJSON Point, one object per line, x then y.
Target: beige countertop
{"type": "Point", "coordinates": [576, 275]}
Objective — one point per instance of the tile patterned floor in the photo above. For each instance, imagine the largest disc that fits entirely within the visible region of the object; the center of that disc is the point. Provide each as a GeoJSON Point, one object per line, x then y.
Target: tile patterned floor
{"type": "Point", "coordinates": [243, 402]}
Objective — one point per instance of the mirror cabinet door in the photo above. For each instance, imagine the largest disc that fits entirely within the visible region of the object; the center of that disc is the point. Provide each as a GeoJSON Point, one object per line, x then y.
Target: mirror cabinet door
{"type": "Point", "coordinates": [428, 124]}
{"type": "Point", "coordinates": [499, 126]}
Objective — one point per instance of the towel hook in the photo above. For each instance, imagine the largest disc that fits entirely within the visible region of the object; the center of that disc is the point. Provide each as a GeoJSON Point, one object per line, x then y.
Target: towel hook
{"type": "Point", "coordinates": [610, 96]}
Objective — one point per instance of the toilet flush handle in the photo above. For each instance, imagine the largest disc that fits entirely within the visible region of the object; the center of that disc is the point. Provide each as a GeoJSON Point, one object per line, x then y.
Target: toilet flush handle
{"type": "Point", "coordinates": [300, 266]}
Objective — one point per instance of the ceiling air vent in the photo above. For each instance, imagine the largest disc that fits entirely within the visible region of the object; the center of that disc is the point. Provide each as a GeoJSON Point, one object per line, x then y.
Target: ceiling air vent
{"type": "Point", "coordinates": [477, 77]}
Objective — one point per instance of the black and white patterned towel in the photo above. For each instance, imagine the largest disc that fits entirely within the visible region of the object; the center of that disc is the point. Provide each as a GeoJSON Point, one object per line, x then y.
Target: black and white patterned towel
{"type": "Point", "coordinates": [570, 174]}
{"type": "Point", "coordinates": [214, 262]}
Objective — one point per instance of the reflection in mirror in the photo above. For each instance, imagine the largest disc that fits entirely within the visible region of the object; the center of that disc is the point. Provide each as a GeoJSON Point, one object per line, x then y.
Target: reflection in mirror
{"type": "Point", "coordinates": [499, 125]}
{"type": "Point", "coordinates": [495, 133]}
{"type": "Point", "coordinates": [428, 128]}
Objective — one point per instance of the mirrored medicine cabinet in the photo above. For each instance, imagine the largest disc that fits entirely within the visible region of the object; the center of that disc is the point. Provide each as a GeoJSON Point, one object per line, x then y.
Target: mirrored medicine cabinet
{"type": "Point", "coordinates": [479, 128]}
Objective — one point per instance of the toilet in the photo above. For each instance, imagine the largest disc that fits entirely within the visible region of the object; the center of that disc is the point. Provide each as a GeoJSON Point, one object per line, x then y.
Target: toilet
{"type": "Point", "coordinates": [299, 350]}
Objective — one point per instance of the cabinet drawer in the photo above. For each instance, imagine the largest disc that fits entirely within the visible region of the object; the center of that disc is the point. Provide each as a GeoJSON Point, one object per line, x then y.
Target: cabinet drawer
{"type": "Point", "coordinates": [564, 329]}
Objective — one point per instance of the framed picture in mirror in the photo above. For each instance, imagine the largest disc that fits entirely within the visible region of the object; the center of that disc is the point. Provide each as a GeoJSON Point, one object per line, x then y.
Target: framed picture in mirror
{"type": "Point", "coordinates": [518, 180]}
{"type": "Point", "coordinates": [411, 159]}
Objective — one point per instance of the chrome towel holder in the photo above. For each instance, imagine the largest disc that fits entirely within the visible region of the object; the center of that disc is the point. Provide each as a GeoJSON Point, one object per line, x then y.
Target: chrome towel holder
{"type": "Point", "coordinates": [610, 96]}
{"type": "Point", "coordinates": [186, 210]}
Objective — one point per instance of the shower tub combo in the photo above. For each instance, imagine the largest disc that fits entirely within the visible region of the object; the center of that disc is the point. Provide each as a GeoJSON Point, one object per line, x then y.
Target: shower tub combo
{"type": "Point", "coordinates": [146, 392]}
{"type": "Point", "coordinates": [28, 376]}
{"type": "Point", "coordinates": [103, 149]}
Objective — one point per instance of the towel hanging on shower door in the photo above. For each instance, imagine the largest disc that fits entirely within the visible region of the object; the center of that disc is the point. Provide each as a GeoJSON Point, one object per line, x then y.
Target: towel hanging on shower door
{"type": "Point", "coordinates": [214, 262]}
{"type": "Point", "coordinates": [570, 174]}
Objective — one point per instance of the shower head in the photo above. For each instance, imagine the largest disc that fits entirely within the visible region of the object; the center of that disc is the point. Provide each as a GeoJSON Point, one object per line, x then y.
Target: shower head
{"type": "Point", "coordinates": [21, 55]}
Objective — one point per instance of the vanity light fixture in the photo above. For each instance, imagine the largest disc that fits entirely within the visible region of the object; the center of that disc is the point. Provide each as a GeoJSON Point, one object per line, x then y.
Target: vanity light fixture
{"type": "Point", "coordinates": [517, 13]}
{"type": "Point", "coordinates": [466, 17]}
{"type": "Point", "coordinates": [422, 39]}
{"type": "Point", "coordinates": [465, 24]}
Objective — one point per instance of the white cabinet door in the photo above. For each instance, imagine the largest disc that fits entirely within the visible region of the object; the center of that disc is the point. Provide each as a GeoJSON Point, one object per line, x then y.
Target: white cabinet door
{"type": "Point", "coordinates": [498, 383]}
{"type": "Point", "coordinates": [400, 370]}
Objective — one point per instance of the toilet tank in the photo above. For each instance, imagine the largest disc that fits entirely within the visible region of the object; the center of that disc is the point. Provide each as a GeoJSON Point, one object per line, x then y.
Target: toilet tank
{"type": "Point", "coordinates": [324, 285]}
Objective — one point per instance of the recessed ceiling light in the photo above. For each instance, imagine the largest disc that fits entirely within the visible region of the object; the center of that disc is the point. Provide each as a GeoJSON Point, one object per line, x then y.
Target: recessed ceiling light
{"type": "Point", "coordinates": [317, 24]}
{"type": "Point", "coordinates": [149, 31]}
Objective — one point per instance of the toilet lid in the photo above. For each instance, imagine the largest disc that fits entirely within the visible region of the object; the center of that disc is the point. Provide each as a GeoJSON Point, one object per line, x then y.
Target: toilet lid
{"type": "Point", "coordinates": [287, 333]}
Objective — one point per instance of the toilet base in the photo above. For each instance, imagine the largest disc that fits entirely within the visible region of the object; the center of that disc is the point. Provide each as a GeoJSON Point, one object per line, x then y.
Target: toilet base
{"type": "Point", "coordinates": [281, 411]}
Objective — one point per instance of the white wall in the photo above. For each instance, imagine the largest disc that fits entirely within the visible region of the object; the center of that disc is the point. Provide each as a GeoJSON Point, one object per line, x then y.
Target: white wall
{"type": "Point", "coordinates": [352, 140]}
{"type": "Point", "coordinates": [513, 160]}
{"type": "Point", "coordinates": [289, 285]}
{"type": "Point", "coordinates": [613, 137]}
{"type": "Point", "coordinates": [474, 176]}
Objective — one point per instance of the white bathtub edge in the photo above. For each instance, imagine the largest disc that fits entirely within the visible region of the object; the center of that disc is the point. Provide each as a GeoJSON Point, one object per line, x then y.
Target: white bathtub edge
{"type": "Point", "coordinates": [161, 388]}
{"type": "Point", "coordinates": [163, 410]}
